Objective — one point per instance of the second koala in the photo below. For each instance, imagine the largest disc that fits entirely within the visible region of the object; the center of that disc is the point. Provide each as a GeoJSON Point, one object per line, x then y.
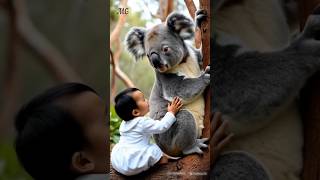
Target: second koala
{"type": "Point", "coordinates": [177, 66]}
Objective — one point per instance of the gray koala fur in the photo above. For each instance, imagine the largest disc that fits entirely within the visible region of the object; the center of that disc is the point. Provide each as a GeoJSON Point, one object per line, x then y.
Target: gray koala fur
{"type": "Point", "coordinates": [278, 76]}
{"type": "Point", "coordinates": [252, 89]}
{"type": "Point", "coordinates": [238, 165]}
{"type": "Point", "coordinates": [178, 73]}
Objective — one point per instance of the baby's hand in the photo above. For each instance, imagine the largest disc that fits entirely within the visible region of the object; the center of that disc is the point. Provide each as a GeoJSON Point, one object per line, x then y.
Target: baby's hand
{"type": "Point", "coordinates": [220, 137]}
{"type": "Point", "coordinates": [175, 105]}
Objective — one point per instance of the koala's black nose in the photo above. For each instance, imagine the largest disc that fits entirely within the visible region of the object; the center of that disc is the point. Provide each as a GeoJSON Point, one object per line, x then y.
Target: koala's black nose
{"type": "Point", "coordinates": [155, 60]}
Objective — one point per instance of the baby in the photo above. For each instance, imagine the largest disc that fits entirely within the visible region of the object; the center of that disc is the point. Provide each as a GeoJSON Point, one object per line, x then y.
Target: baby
{"type": "Point", "coordinates": [134, 153]}
{"type": "Point", "coordinates": [62, 133]}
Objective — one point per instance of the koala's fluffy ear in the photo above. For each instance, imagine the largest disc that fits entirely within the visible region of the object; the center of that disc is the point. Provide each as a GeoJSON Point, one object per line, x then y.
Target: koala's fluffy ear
{"type": "Point", "coordinates": [134, 42]}
{"type": "Point", "coordinates": [181, 24]}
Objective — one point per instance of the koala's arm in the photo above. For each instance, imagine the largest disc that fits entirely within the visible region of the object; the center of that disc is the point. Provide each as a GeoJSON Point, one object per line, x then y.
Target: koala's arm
{"type": "Point", "coordinates": [185, 88]}
{"type": "Point", "coordinates": [255, 84]}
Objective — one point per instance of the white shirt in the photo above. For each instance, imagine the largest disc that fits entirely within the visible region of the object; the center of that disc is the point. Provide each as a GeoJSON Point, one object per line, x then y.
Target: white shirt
{"type": "Point", "coordinates": [134, 153]}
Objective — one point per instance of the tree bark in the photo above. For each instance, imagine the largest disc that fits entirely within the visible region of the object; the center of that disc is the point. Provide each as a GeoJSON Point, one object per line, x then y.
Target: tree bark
{"type": "Point", "coordinates": [165, 8]}
{"type": "Point", "coordinates": [191, 7]}
{"type": "Point", "coordinates": [310, 106]}
{"type": "Point", "coordinates": [205, 34]}
{"type": "Point", "coordinates": [11, 81]}
{"type": "Point", "coordinates": [192, 11]}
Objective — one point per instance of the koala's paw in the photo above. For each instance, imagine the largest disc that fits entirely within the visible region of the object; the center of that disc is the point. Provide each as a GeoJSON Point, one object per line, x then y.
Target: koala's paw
{"type": "Point", "coordinates": [309, 41]}
{"type": "Point", "coordinates": [201, 15]}
{"type": "Point", "coordinates": [196, 148]}
{"type": "Point", "coordinates": [206, 75]}
{"type": "Point", "coordinates": [312, 27]}
{"type": "Point", "coordinates": [207, 70]}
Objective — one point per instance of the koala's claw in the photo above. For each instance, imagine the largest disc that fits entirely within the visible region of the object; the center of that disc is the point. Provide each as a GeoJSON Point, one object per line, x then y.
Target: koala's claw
{"type": "Point", "coordinates": [207, 70]}
{"type": "Point", "coordinates": [312, 27]}
{"type": "Point", "coordinates": [197, 147]}
{"type": "Point", "coordinates": [201, 11]}
{"type": "Point", "coordinates": [201, 15]}
{"type": "Point", "coordinates": [201, 142]}
{"type": "Point", "coordinates": [206, 75]}
{"type": "Point", "coordinates": [316, 11]}
{"type": "Point", "coordinates": [194, 149]}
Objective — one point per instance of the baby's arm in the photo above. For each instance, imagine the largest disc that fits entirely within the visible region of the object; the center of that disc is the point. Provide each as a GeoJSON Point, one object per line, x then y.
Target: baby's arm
{"type": "Point", "coordinates": [220, 137]}
{"type": "Point", "coordinates": [155, 126]}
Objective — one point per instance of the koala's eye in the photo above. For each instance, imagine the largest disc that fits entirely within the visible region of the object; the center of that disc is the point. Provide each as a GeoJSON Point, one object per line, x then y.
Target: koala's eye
{"type": "Point", "coordinates": [165, 48]}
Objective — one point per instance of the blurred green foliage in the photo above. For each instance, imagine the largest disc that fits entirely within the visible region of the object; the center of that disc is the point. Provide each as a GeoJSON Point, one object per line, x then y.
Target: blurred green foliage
{"type": "Point", "coordinates": [115, 122]}
{"type": "Point", "coordinates": [113, 11]}
{"type": "Point", "coordinates": [10, 169]}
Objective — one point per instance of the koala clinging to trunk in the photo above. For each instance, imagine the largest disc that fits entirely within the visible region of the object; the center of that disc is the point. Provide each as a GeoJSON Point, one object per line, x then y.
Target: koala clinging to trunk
{"type": "Point", "coordinates": [178, 73]}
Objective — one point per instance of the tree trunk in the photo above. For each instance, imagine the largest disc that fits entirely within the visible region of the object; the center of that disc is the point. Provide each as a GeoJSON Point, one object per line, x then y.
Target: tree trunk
{"type": "Point", "coordinates": [310, 103]}
{"type": "Point", "coordinates": [11, 80]}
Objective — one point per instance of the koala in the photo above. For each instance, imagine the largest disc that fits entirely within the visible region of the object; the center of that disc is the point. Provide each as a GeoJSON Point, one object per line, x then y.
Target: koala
{"type": "Point", "coordinates": [177, 66]}
{"type": "Point", "coordinates": [257, 91]}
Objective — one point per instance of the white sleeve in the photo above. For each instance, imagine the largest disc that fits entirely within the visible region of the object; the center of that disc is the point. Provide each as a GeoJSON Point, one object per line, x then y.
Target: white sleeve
{"type": "Point", "coordinates": [152, 126]}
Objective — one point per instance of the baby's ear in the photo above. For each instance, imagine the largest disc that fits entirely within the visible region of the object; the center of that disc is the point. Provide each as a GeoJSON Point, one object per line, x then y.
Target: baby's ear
{"type": "Point", "coordinates": [135, 42]}
{"type": "Point", "coordinates": [181, 24]}
{"type": "Point", "coordinates": [136, 113]}
{"type": "Point", "coordinates": [82, 163]}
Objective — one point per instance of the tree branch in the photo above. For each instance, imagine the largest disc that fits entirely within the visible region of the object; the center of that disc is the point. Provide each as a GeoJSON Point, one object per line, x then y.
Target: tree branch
{"type": "Point", "coordinates": [310, 106]}
{"type": "Point", "coordinates": [11, 82]}
{"type": "Point", "coordinates": [115, 57]}
{"type": "Point", "coordinates": [192, 11]}
{"type": "Point", "coordinates": [51, 57]}
{"type": "Point", "coordinates": [191, 7]}
{"type": "Point", "coordinates": [122, 19]}
{"type": "Point", "coordinates": [165, 8]}
{"type": "Point", "coordinates": [113, 75]}
{"type": "Point", "coordinates": [155, 16]}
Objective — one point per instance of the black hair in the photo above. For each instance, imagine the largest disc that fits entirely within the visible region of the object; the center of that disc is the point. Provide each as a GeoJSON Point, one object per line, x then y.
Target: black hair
{"type": "Point", "coordinates": [125, 104]}
{"type": "Point", "coordinates": [48, 135]}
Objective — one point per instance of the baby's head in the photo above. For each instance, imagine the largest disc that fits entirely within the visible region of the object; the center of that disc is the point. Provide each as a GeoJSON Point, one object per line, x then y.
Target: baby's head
{"type": "Point", "coordinates": [130, 103]}
{"type": "Point", "coordinates": [63, 133]}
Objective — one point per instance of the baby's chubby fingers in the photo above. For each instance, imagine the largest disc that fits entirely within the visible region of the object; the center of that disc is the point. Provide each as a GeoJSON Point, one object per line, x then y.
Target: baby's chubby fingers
{"type": "Point", "coordinates": [176, 100]}
{"type": "Point", "coordinates": [215, 123]}
{"type": "Point", "coordinates": [220, 132]}
{"type": "Point", "coordinates": [221, 144]}
{"type": "Point", "coordinates": [179, 101]}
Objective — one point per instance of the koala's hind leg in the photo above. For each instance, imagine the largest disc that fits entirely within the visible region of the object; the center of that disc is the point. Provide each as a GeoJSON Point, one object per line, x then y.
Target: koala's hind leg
{"type": "Point", "coordinates": [180, 136]}
{"type": "Point", "coordinates": [238, 165]}
{"type": "Point", "coordinates": [186, 136]}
